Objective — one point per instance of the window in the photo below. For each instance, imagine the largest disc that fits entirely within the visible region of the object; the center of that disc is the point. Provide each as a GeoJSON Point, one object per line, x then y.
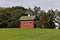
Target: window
{"type": "Point", "coordinates": [29, 22]}
{"type": "Point", "coordinates": [25, 22]}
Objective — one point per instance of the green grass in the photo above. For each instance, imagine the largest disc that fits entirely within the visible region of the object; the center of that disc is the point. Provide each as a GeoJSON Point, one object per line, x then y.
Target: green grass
{"type": "Point", "coordinates": [29, 34]}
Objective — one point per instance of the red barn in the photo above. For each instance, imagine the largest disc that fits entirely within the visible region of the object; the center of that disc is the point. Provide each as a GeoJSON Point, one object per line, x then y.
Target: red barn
{"type": "Point", "coordinates": [27, 22]}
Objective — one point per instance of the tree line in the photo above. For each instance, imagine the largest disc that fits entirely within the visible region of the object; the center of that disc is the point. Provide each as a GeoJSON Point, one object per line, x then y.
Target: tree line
{"type": "Point", "coordinates": [9, 17]}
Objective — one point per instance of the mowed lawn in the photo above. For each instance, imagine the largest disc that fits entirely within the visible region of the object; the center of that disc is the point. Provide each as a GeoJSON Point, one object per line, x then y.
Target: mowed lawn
{"type": "Point", "coordinates": [29, 34]}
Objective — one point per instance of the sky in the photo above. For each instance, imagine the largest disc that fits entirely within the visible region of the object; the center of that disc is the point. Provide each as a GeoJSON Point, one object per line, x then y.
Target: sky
{"type": "Point", "coordinates": [44, 4]}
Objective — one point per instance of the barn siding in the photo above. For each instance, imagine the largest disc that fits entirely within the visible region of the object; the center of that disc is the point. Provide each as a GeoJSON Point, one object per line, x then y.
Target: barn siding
{"type": "Point", "coordinates": [22, 25]}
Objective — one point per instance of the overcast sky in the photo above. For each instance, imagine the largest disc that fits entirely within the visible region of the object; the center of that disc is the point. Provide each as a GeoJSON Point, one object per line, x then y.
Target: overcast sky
{"type": "Point", "coordinates": [44, 4]}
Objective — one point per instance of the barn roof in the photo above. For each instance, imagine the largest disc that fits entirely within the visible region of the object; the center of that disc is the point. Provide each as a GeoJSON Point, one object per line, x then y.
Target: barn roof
{"type": "Point", "coordinates": [27, 18]}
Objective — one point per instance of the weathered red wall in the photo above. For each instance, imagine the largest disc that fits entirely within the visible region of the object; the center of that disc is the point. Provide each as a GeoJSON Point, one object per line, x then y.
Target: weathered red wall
{"type": "Point", "coordinates": [27, 25]}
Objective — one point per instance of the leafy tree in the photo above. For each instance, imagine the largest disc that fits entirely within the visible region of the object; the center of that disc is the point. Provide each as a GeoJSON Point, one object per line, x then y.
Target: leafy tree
{"type": "Point", "coordinates": [50, 19]}
{"type": "Point", "coordinates": [37, 11]}
{"type": "Point", "coordinates": [42, 19]}
{"type": "Point", "coordinates": [10, 16]}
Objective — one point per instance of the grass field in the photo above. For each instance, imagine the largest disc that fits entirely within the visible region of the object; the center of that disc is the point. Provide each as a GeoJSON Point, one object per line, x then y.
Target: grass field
{"type": "Point", "coordinates": [29, 34]}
